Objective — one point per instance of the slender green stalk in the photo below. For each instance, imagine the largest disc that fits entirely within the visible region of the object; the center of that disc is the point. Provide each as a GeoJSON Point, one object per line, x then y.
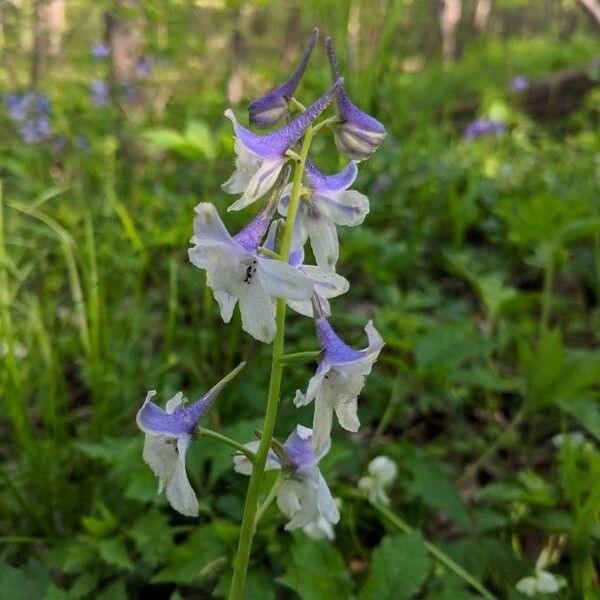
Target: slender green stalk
{"type": "Point", "coordinates": [236, 592]}
{"type": "Point", "coordinates": [435, 551]}
{"type": "Point", "coordinates": [227, 440]}
{"type": "Point", "coordinates": [268, 500]}
{"type": "Point", "coordinates": [296, 357]}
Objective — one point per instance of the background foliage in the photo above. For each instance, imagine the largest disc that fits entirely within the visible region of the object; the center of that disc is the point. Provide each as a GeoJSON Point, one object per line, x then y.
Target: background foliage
{"type": "Point", "coordinates": [479, 261]}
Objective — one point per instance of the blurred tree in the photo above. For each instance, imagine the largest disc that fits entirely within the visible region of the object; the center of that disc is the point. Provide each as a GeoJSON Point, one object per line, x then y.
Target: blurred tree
{"type": "Point", "coordinates": [449, 17]}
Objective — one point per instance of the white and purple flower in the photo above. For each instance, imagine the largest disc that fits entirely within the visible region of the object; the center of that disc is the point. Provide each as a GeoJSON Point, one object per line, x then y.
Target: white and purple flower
{"type": "Point", "coordinates": [338, 380]}
{"type": "Point", "coordinates": [304, 496]}
{"type": "Point", "coordinates": [260, 158]}
{"type": "Point", "coordinates": [327, 284]}
{"type": "Point", "coordinates": [327, 203]}
{"type": "Point", "coordinates": [358, 134]}
{"type": "Point", "coordinates": [168, 436]}
{"type": "Point", "coordinates": [273, 106]}
{"type": "Point", "coordinates": [235, 271]}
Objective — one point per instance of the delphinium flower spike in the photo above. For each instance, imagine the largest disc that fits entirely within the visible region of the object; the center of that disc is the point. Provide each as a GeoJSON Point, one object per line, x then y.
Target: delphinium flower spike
{"type": "Point", "coordinates": [328, 202]}
{"type": "Point", "coordinates": [168, 436]}
{"type": "Point", "coordinates": [358, 134]}
{"type": "Point", "coordinates": [273, 106]}
{"type": "Point", "coordinates": [304, 496]}
{"type": "Point", "coordinates": [260, 158]}
{"type": "Point", "coordinates": [236, 271]}
{"type": "Point", "coordinates": [338, 380]}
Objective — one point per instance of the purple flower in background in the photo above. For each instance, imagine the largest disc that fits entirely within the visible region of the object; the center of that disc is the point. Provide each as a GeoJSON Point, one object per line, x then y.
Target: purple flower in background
{"type": "Point", "coordinates": [358, 134]}
{"type": "Point", "coordinates": [30, 111]}
{"type": "Point", "coordinates": [83, 144]}
{"type": "Point", "coordinates": [99, 92]}
{"type": "Point", "coordinates": [482, 127]}
{"type": "Point", "coordinates": [326, 284]}
{"type": "Point", "coordinates": [519, 83]}
{"type": "Point", "coordinates": [328, 203]}
{"type": "Point", "coordinates": [168, 436]}
{"type": "Point", "coordinates": [304, 496]}
{"type": "Point", "coordinates": [260, 158]}
{"type": "Point", "coordinates": [339, 378]}
{"type": "Point", "coordinates": [143, 67]}
{"type": "Point", "coordinates": [235, 271]}
{"type": "Point", "coordinates": [100, 51]}
{"type": "Point", "coordinates": [273, 106]}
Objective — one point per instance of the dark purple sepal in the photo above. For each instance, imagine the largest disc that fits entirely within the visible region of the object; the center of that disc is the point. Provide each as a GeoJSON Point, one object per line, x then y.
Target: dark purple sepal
{"type": "Point", "coordinates": [267, 110]}
{"type": "Point", "coordinates": [358, 134]}
{"type": "Point", "coordinates": [275, 144]}
{"type": "Point", "coordinates": [337, 182]}
{"type": "Point", "coordinates": [335, 350]}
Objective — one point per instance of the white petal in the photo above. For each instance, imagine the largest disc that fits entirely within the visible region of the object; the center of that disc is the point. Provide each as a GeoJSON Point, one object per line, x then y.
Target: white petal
{"type": "Point", "coordinates": [180, 493]}
{"type": "Point", "coordinates": [327, 283]}
{"type": "Point", "coordinates": [260, 183]}
{"type": "Point", "coordinates": [283, 281]}
{"type": "Point", "coordinates": [383, 468]}
{"type": "Point", "coordinates": [208, 225]}
{"type": "Point", "coordinates": [527, 586]}
{"type": "Point", "coordinates": [174, 403]}
{"type": "Point", "coordinates": [242, 465]}
{"type": "Point", "coordinates": [314, 386]}
{"type": "Point", "coordinates": [346, 412]}
{"type": "Point", "coordinates": [166, 457]}
{"type": "Point", "coordinates": [322, 422]}
{"type": "Point", "coordinates": [226, 304]}
{"type": "Point", "coordinates": [547, 583]}
{"type": "Point", "coordinates": [327, 506]}
{"type": "Point", "coordinates": [347, 208]}
{"type": "Point", "coordinates": [258, 311]}
{"type": "Point", "coordinates": [323, 241]}
{"type": "Point", "coordinates": [246, 165]}
{"type": "Point", "coordinates": [287, 499]}
{"type": "Point", "coordinates": [306, 495]}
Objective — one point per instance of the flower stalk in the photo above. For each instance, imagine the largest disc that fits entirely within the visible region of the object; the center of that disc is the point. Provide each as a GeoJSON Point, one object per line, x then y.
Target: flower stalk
{"type": "Point", "coordinates": [242, 559]}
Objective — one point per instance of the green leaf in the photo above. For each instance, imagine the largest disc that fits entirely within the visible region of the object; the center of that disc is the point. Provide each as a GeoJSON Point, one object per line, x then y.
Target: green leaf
{"type": "Point", "coordinates": [316, 571]}
{"type": "Point", "coordinates": [24, 583]}
{"type": "Point", "coordinates": [152, 537]}
{"type": "Point", "coordinates": [586, 411]}
{"type": "Point", "coordinates": [113, 552]}
{"type": "Point", "coordinates": [400, 565]}
{"type": "Point", "coordinates": [163, 138]}
{"type": "Point", "coordinates": [194, 559]}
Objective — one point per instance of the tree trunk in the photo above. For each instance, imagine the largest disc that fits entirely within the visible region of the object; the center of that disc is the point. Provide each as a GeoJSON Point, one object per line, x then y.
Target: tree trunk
{"type": "Point", "coordinates": [593, 8]}
{"type": "Point", "coordinates": [449, 18]}
{"type": "Point", "coordinates": [125, 40]}
{"type": "Point", "coordinates": [481, 18]}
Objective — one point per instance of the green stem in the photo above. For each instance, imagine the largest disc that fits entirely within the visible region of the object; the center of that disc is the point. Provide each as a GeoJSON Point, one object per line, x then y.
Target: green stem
{"type": "Point", "coordinates": [236, 592]}
{"type": "Point", "coordinates": [547, 292]}
{"type": "Point", "coordinates": [268, 500]}
{"type": "Point", "coordinates": [226, 440]}
{"type": "Point", "coordinates": [435, 551]}
{"type": "Point", "coordinates": [296, 357]}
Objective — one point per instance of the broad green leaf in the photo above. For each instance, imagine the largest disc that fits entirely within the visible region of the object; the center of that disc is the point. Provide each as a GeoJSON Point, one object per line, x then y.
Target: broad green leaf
{"type": "Point", "coordinates": [399, 568]}
{"type": "Point", "coordinates": [152, 536]}
{"type": "Point", "coordinates": [316, 571]}
{"type": "Point", "coordinates": [163, 138]}
{"type": "Point", "coordinates": [24, 583]}
{"type": "Point", "coordinates": [586, 411]}
{"type": "Point", "coordinates": [113, 552]}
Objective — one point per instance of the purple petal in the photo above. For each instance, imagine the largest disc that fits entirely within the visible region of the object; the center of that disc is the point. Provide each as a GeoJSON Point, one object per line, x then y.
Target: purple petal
{"type": "Point", "coordinates": [277, 143]}
{"type": "Point", "coordinates": [359, 134]}
{"type": "Point", "coordinates": [330, 183]}
{"type": "Point", "coordinates": [335, 350]}
{"type": "Point", "coordinates": [273, 106]}
{"type": "Point", "coordinates": [298, 448]}
{"type": "Point", "coordinates": [151, 418]}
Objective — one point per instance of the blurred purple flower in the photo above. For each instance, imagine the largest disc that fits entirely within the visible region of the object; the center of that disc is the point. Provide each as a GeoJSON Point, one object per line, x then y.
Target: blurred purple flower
{"type": "Point", "coordinates": [519, 83]}
{"type": "Point", "coordinates": [30, 111]}
{"type": "Point", "coordinates": [82, 143]}
{"type": "Point", "coordinates": [99, 92]}
{"type": "Point", "coordinates": [481, 127]}
{"type": "Point", "coordinates": [143, 68]}
{"type": "Point", "coordinates": [100, 51]}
